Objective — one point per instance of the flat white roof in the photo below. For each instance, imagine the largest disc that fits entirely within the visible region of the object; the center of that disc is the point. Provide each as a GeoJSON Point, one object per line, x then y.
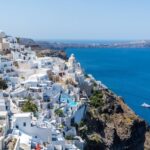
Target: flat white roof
{"type": "Point", "coordinates": [37, 75]}
{"type": "Point", "coordinates": [3, 113]}
{"type": "Point", "coordinates": [25, 138]}
{"type": "Point", "coordinates": [2, 100]}
{"type": "Point", "coordinates": [34, 77]}
{"type": "Point", "coordinates": [18, 90]}
{"type": "Point", "coordinates": [28, 114]}
{"type": "Point", "coordinates": [35, 88]}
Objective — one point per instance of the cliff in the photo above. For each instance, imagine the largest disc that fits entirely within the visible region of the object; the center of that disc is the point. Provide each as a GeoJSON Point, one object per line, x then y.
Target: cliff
{"type": "Point", "coordinates": [52, 53]}
{"type": "Point", "coordinates": [41, 50]}
{"type": "Point", "coordinates": [111, 125]}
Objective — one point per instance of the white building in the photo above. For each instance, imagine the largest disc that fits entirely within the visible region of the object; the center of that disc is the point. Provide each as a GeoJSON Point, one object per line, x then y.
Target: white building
{"type": "Point", "coordinates": [4, 126]}
{"type": "Point", "coordinates": [4, 44]}
{"type": "Point", "coordinates": [23, 54]}
{"type": "Point", "coordinates": [5, 64]}
{"type": "Point", "coordinates": [24, 122]}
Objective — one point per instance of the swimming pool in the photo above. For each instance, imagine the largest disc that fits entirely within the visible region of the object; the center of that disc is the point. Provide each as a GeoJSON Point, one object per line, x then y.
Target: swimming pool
{"type": "Point", "coordinates": [68, 100]}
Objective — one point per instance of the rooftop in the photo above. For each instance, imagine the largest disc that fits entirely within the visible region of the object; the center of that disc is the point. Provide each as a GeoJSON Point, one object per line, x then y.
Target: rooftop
{"type": "Point", "coordinates": [3, 113]}
{"type": "Point", "coordinates": [28, 114]}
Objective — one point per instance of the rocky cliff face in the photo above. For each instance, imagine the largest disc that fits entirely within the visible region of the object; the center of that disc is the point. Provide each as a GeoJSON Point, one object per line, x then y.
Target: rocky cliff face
{"type": "Point", "coordinates": [52, 53]}
{"type": "Point", "coordinates": [147, 140]}
{"type": "Point", "coordinates": [112, 125]}
{"type": "Point", "coordinates": [41, 50]}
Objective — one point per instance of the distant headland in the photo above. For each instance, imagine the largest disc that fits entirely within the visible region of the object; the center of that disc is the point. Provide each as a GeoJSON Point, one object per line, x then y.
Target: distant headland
{"type": "Point", "coordinates": [59, 45]}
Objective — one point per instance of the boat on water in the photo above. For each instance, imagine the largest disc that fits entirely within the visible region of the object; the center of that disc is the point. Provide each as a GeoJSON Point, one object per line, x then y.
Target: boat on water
{"type": "Point", "coordinates": [145, 105]}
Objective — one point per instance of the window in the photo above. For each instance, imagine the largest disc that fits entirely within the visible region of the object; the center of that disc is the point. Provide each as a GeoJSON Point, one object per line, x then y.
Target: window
{"type": "Point", "coordinates": [17, 126]}
{"type": "Point", "coordinates": [24, 124]}
{"type": "Point", "coordinates": [54, 139]}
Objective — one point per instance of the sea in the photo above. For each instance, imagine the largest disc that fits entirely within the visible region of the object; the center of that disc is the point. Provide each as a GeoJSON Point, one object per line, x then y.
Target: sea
{"type": "Point", "coordinates": [126, 71]}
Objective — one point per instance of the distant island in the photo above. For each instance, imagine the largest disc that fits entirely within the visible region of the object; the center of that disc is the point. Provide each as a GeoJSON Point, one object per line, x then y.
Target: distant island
{"type": "Point", "coordinates": [59, 45]}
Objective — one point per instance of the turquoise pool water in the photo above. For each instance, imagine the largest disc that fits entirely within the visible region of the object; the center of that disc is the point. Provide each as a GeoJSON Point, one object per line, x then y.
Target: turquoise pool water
{"type": "Point", "coordinates": [66, 99]}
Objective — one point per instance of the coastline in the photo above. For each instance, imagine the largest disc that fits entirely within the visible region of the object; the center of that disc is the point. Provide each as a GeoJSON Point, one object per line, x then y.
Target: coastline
{"type": "Point", "coordinates": [120, 109]}
{"type": "Point", "coordinates": [53, 100]}
{"type": "Point", "coordinates": [124, 71]}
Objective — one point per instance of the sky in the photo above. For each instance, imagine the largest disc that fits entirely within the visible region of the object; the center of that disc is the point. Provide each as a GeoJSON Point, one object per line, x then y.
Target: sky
{"type": "Point", "coordinates": [76, 19]}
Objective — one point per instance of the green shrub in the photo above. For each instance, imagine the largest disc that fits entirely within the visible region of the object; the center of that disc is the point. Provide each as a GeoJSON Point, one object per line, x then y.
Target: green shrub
{"type": "Point", "coordinates": [96, 99]}
{"type": "Point", "coordinates": [69, 137]}
{"type": "Point", "coordinates": [29, 106]}
{"type": "Point", "coordinates": [3, 84]}
{"type": "Point", "coordinates": [81, 124]}
{"type": "Point", "coordinates": [59, 112]}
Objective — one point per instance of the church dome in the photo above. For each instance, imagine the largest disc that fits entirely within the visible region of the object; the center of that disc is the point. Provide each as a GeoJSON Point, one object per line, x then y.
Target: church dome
{"type": "Point", "coordinates": [72, 58]}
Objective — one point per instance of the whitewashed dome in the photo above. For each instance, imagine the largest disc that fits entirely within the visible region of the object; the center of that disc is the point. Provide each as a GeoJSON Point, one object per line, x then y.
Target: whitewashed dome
{"type": "Point", "coordinates": [72, 58]}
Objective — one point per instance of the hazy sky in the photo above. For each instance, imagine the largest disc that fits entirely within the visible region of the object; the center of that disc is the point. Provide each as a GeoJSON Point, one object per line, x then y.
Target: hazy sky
{"type": "Point", "coordinates": [76, 19]}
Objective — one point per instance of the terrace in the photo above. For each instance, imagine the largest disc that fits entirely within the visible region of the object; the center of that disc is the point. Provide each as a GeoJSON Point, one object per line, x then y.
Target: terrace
{"type": "Point", "coordinates": [12, 143]}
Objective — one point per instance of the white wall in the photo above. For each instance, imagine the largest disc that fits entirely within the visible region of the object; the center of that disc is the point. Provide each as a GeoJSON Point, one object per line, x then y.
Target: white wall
{"type": "Point", "coordinates": [6, 65]}
{"type": "Point", "coordinates": [79, 114]}
{"type": "Point", "coordinates": [71, 132]}
{"type": "Point", "coordinates": [41, 133]}
{"type": "Point", "coordinates": [1, 142]}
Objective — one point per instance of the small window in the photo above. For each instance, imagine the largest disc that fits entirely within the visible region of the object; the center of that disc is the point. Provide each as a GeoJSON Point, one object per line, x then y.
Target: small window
{"type": "Point", "coordinates": [36, 137]}
{"type": "Point", "coordinates": [24, 124]}
{"type": "Point", "coordinates": [17, 126]}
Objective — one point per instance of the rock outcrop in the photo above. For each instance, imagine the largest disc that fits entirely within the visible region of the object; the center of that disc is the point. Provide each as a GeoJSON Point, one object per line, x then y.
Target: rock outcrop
{"type": "Point", "coordinates": [41, 50]}
{"type": "Point", "coordinates": [147, 140]}
{"type": "Point", "coordinates": [113, 126]}
{"type": "Point", "coordinates": [52, 53]}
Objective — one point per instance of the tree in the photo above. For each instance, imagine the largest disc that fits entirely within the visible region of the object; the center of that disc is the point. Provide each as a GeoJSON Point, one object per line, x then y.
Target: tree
{"type": "Point", "coordinates": [3, 84]}
{"type": "Point", "coordinates": [29, 106]}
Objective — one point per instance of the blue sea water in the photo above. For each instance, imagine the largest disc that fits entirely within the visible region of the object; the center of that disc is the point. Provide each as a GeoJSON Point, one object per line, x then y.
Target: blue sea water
{"type": "Point", "coordinates": [126, 71]}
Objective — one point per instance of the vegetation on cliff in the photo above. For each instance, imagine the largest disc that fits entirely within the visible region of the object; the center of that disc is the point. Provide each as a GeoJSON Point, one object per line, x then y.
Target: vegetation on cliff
{"type": "Point", "coordinates": [111, 124]}
{"type": "Point", "coordinates": [52, 53]}
{"type": "Point", "coordinates": [96, 99]}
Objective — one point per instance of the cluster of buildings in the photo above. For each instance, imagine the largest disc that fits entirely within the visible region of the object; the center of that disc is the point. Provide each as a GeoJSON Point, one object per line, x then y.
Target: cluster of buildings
{"type": "Point", "coordinates": [59, 89]}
